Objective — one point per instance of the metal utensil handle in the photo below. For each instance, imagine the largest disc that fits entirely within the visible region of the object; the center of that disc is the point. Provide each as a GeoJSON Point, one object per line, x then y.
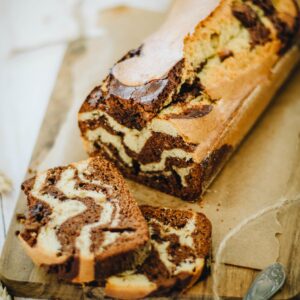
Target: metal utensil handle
{"type": "Point", "coordinates": [267, 283]}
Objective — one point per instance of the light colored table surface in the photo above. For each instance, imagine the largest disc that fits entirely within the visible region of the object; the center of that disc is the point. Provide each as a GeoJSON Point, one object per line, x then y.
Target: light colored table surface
{"type": "Point", "coordinates": [34, 36]}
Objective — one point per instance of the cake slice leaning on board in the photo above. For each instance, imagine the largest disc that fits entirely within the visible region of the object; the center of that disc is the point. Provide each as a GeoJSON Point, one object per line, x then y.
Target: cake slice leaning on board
{"type": "Point", "coordinates": [181, 242]}
{"type": "Point", "coordinates": [84, 227]}
{"type": "Point", "coordinates": [172, 111]}
{"type": "Point", "coordinates": [83, 224]}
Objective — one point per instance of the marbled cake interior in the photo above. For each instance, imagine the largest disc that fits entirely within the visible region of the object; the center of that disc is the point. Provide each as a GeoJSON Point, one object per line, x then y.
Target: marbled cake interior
{"type": "Point", "coordinates": [80, 215]}
{"type": "Point", "coordinates": [180, 244]}
{"type": "Point", "coordinates": [142, 128]}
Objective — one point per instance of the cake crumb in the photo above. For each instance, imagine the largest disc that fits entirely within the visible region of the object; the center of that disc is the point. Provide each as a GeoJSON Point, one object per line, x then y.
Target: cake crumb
{"type": "Point", "coordinates": [21, 218]}
{"type": "Point", "coordinates": [32, 171]}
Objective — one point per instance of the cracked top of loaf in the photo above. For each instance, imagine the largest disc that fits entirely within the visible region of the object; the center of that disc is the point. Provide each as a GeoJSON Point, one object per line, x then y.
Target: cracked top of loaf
{"type": "Point", "coordinates": [222, 51]}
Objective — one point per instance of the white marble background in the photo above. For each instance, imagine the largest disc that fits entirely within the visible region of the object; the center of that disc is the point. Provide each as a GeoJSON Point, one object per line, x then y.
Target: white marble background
{"type": "Point", "coordinates": [33, 38]}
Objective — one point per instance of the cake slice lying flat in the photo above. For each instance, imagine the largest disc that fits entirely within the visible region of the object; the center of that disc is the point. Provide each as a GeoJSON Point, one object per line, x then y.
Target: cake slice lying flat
{"type": "Point", "coordinates": [83, 223]}
{"type": "Point", "coordinates": [171, 112]}
{"type": "Point", "coordinates": [180, 244]}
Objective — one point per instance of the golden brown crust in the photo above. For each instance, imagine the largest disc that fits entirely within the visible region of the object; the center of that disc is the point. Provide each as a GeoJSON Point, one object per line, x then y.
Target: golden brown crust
{"type": "Point", "coordinates": [247, 110]}
{"type": "Point", "coordinates": [134, 291]}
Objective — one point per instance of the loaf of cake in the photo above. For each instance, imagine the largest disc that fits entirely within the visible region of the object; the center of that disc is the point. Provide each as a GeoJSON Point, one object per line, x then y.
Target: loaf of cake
{"type": "Point", "coordinates": [171, 112]}
{"type": "Point", "coordinates": [82, 223]}
{"type": "Point", "coordinates": [180, 244]}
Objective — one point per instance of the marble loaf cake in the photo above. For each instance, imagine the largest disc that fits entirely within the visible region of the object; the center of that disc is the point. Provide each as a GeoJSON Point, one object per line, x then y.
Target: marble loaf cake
{"type": "Point", "coordinates": [180, 242]}
{"type": "Point", "coordinates": [172, 111]}
{"type": "Point", "coordinates": [82, 223]}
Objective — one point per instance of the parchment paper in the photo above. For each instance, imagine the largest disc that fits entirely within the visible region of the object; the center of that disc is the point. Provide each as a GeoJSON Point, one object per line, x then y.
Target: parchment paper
{"type": "Point", "coordinates": [254, 179]}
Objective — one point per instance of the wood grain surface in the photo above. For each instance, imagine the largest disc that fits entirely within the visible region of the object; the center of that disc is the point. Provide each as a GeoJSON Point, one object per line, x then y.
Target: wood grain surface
{"type": "Point", "coordinates": [22, 278]}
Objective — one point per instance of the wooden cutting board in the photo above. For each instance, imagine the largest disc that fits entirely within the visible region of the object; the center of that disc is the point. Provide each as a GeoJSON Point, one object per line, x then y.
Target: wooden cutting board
{"type": "Point", "coordinates": [22, 278]}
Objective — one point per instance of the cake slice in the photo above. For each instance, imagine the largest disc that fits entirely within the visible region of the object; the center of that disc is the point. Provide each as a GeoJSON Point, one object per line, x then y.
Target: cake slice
{"type": "Point", "coordinates": [82, 222]}
{"type": "Point", "coordinates": [171, 112]}
{"type": "Point", "coordinates": [180, 243]}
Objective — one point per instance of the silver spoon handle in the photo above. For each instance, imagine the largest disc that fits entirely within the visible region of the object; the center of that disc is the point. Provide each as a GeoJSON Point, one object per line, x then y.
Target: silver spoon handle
{"type": "Point", "coordinates": [267, 283]}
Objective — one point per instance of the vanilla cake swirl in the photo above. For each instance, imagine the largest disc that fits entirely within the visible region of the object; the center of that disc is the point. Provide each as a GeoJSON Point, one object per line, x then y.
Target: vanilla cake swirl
{"type": "Point", "coordinates": [82, 222]}
{"type": "Point", "coordinates": [180, 242]}
{"type": "Point", "coordinates": [172, 111]}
